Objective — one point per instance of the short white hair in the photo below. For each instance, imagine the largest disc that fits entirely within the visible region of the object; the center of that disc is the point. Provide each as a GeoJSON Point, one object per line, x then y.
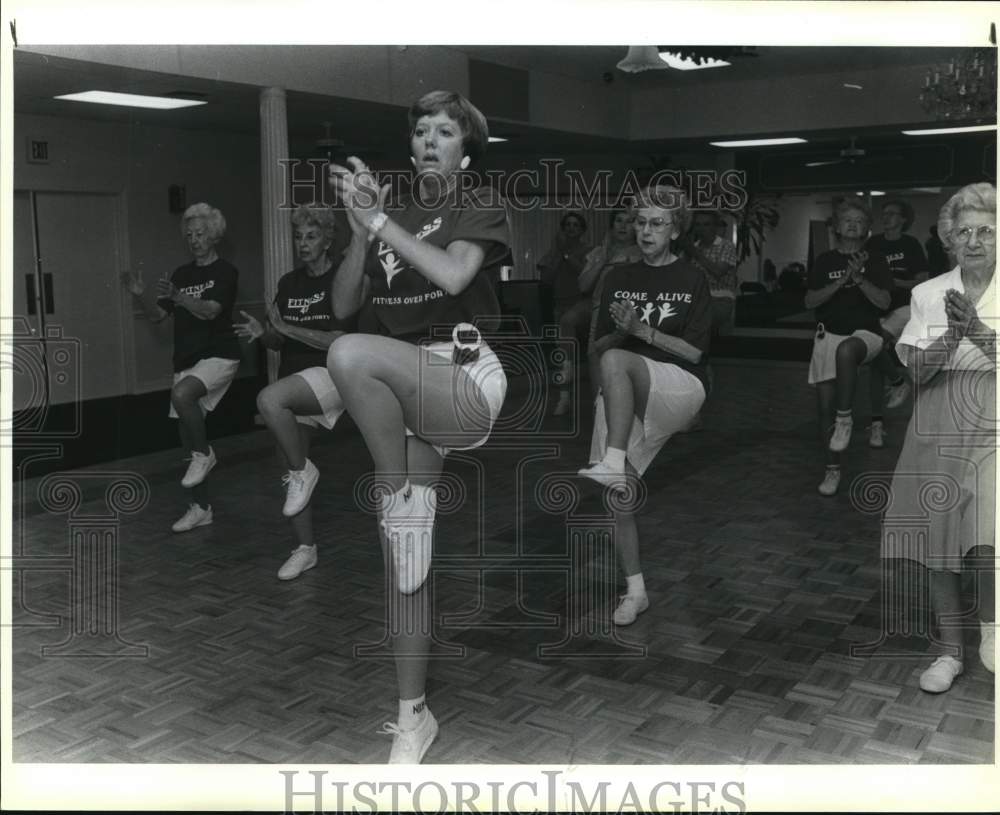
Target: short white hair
{"type": "Point", "coordinates": [981, 197]}
{"type": "Point", "coordinates": [213, 218]}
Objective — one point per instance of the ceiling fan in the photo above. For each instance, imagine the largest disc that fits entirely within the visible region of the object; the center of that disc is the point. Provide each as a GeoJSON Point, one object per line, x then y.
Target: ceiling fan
{"type": "Point", "coordinates": [333, 148]}
{"type": "Point", "coordinates": [853, 155]}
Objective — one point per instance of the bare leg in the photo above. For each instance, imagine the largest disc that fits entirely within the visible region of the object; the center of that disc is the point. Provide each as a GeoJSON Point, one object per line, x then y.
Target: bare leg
{"type": "Point", "coordinates": [302, 525]}
{"type": "Point", "coordinates": [826, 400]}
{"type": "Point", "coordinates": [184, 397]}
{"type": "Point", "coordinates": [850, 355]}
{"type": "Point", "coordinates": [279, 404]}
{"type": "Point", "coordinates": [410, 619]}
{"type": "Point", "coordinates": [625, 380]}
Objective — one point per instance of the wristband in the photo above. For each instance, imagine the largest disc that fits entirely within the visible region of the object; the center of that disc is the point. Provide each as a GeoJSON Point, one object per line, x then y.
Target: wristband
{"type": "Point", "coordinates": [377, 223]}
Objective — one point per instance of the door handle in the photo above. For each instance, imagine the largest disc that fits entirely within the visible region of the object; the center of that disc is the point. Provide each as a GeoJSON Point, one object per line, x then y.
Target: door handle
{"type": "Point", "coordinates": [48, 290]}
{"type": "Point", "coordinates": [29, 283]}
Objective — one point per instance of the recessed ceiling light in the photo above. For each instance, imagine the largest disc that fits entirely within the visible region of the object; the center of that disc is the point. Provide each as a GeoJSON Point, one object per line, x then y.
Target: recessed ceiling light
{"type": "Point", "coordinates": [940, 131]}
{"type": "Point", "coordinates": [688, 64]}
{"type": "Point", "coordinates": [495, 139]}
{"type": "Point", "coordinates": [853, 87]}
{"type": "Point", "coordinates": [131, 100]}
{"type": "Point", "coordinates": [757, 142]}
{"type": "Point", "coordinates": [875, 193]}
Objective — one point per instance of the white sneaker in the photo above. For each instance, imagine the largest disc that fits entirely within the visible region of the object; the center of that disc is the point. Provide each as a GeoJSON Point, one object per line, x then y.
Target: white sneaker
{"type": "Point", "coordinates": [300, 485]}
{"type": "Point", "coordinates": [841, 434]}
{"type": "Point", "coordinates": [563, 405]}
{"type": "Point", "coordinates": [195, 516]}
{"type": "Point", "coordinates": [199, 467]}
{"type": "Point", "coordinates": [630, 607]}
{"type": "Point", "coordinates": [876, 435]}
{"type": "Point", "coordinates": [408, 521]}
{"type": "Point", "coordinates": [987, 633]}
{"type": "Point", "coordinates": [895, 395]}
{"type": "Point", "coordinates": [938, 678]}
{"type": "Point", "coordinates": [831, 481]}
{"type": "Point", "coordinates": [409, 746]}
{"type": "Point", "coordinates": [605, 475]}
{"type": "Point", "coordinates": [303, 558]}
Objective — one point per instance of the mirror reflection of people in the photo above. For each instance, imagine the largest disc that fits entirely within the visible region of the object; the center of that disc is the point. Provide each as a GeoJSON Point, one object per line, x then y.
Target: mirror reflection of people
{"type": "Point", "coordinates": [301, 326]}
{"type": "Point", "coordinates": [908, 267]}
{"type": "Point", "coordinates": [618, 246]}
{"type": "Point", "coordinates": [424, 266]}
{"type": "Point", "coordinates": [200, 296]}
{"type": "Point", "coordinates": [560, 269]}
{"type": "Point", "coordinates": [946, 473]}
{"type": "Point", "coordinates": [652, 338]}
{"type": "Point", "coordinates": [848, 289]}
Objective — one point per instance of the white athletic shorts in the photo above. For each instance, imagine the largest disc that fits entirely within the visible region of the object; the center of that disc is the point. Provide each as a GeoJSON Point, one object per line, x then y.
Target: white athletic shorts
{"type": "Point", "coordinates": [216, 374]}
{"type": "Point", "coordinates": [321, 384]}
{"type": "Point", "coordinates": [487, 376]}
{"type": "Point", "coordinates": [823, 366]}
{"type": "Point", "coordinates": [675, 397]}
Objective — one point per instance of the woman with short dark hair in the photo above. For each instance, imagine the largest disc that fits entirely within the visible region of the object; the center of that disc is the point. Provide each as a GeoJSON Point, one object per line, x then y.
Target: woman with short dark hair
{"type": "Point", "coordinates": [425, 382]}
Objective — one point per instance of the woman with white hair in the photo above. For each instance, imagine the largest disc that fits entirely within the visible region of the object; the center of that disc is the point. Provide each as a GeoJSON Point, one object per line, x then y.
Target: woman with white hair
{"type": "Point", "coordinates": [301, 325]}
{"type": "Point", "coordinates": [652, 334]}
{"type": "Point", "coordinates": [946, 474]}
{"type": "Point", "coordinates": [200, 296]}
{"type": "Point", "coordinates": [849, 289]}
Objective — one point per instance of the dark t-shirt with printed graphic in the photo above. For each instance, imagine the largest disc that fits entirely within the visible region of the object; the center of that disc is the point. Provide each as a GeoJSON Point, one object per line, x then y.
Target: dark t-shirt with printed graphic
{"type": "Point", "coordinates": [848, 310]}
{"type": "Point", "coordinates": [906, 260]}
{"type": "Point", "coordinates": [674, 299]}
{"type": "Point", "coordinates": [407, 305]}
{"type": "Point", "coordinates": [196, 339]}
{"type": "Point", "coordinates": [303, 300]}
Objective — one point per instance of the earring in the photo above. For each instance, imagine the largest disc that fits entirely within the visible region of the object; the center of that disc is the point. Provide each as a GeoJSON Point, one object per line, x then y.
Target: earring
{"type": "Point", "coordinates": [465, 162]}
{"type": "Point", "coordinates": [413, 161]}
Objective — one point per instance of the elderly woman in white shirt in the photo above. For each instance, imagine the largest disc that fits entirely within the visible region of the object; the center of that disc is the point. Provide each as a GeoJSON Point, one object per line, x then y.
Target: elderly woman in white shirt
{"type": "Point", "coordinates": [941, 511]}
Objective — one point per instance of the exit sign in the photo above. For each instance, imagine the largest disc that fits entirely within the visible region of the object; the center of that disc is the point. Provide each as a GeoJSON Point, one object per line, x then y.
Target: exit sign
{"type": "Point", "coordinates": [38, 151]}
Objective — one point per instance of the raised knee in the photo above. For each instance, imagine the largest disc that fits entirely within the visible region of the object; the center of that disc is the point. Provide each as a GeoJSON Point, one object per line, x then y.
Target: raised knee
{"type": "Point", "coordinates": [181, 394]}
{"type": "Point", "coordinates": [343, 354]}
{"type": "Point", "coordinates": [267, 401]}
{"type": "Point", "coordinates": [612, 360]}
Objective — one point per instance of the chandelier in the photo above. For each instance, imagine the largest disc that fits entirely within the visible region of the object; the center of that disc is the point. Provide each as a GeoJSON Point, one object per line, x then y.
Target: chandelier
{"type": "Point", "coordinates": [965, 87]}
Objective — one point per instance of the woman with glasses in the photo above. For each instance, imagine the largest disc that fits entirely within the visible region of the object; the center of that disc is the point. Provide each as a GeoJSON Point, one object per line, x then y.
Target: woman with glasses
{"type": "Point", "coordinates": [945, 479]}
{"type": "Point", "coordinates": [652, 335]}
{"type": "Point", "coordinates": [848, 289]}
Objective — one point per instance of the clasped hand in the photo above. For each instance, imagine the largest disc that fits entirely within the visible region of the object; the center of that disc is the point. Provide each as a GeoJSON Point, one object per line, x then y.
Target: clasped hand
{"type": "Point", "coordinates": [625, 318]}
{"type": "Point", "coordinates": [961, 312]}
{"type": "Point", "coordinates": [856, 267]}
{"type": "Point", "coordinates": [359, 190]}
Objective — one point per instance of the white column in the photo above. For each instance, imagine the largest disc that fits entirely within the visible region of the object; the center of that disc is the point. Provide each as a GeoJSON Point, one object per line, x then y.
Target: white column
{"type": "Point", "coordinates": [277, 239]}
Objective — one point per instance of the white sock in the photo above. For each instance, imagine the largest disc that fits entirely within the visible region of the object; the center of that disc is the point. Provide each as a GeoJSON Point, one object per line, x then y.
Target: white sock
{"type": "Point", "coordinates": [636, 585]}
{"type": "Point", "coordinates": [615, 459]}
{"type": "Point", "coordinates": [411, 712]}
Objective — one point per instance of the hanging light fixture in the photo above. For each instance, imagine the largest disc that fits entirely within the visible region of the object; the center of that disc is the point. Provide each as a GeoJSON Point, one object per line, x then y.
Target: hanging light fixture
{"type": "Point", "coordinates": [964, 87]}
{"type": "Point", "coordinates": [642, 58]}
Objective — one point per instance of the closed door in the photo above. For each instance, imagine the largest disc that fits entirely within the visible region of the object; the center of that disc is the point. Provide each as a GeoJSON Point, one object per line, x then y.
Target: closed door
{"type": "Point", "coordinates": [67, 291]}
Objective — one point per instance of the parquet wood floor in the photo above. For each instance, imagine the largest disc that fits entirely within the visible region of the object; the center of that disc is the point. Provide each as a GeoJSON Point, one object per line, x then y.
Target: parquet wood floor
{"type": "Point", "coordinates": [759, 590]}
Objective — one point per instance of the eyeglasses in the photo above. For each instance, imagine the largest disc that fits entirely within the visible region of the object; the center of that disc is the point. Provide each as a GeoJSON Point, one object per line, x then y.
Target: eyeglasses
{"type": "Point", "coordinates": [655, 224]}
{"type": "Point", "coordinates": [984, 234]}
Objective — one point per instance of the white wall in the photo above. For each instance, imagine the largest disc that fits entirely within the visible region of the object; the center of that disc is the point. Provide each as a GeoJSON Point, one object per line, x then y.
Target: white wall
{"type": "Point", "coordinates": [140, 163]}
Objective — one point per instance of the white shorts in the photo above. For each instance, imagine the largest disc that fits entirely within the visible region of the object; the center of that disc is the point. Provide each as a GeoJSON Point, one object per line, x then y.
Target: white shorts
{"type": "Point", "coordinates": [823, 366]}
{"type": "Point", "coordinates": [675, 397]}
{"type": "Point", "coordinates": [895, 321]}
{"type": "Point", "coordinates": [326, 393]}
{"type": "Point", "coordinates": [216, 374]}
{"type": "Point", "coordinates": [487, 376]}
